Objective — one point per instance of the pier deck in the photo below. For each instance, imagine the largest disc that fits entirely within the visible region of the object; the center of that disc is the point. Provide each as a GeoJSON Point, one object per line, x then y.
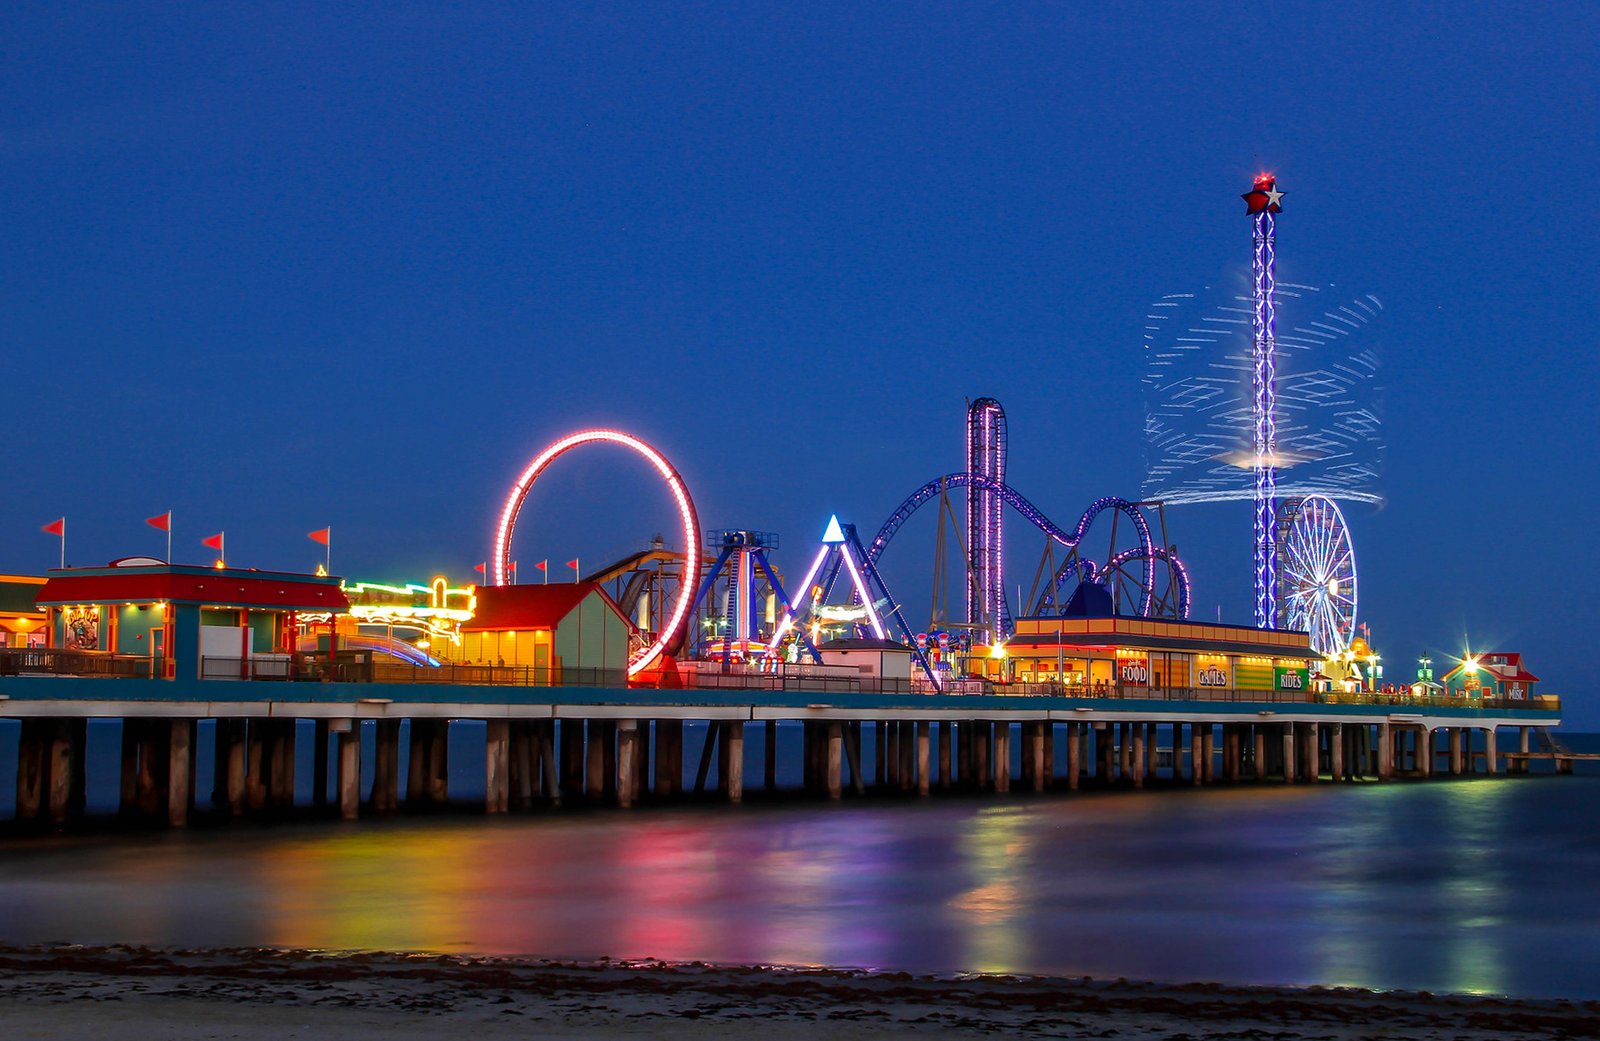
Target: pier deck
{"type": "Point", "coordinates": [619, 744]}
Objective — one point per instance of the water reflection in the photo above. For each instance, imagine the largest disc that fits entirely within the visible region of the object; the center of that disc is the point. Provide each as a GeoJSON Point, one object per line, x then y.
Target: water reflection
{"type": "Point", "coordinates": [1465, 886]}
{"type": "Point", "coordinates": [996, 843]}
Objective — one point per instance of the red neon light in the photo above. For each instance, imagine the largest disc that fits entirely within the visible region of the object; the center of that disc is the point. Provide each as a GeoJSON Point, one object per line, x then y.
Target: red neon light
{"type": "Point", "coordinates": [501, 559]}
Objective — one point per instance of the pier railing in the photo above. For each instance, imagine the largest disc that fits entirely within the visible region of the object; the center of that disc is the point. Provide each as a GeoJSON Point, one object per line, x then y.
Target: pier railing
{"type": "Point", "coordinates": [1542, 703]}
{"type": "Point", "coordinates": [54, 661]}
{"type": "Point", "coordinates": [309, 669]}
{"type": "Point", "coordinates": [284, 668]}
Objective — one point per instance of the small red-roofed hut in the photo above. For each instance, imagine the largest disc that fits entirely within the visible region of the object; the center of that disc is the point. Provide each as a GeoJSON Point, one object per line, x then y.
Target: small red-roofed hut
{"type": "Point", "coordinates": [568, 632]}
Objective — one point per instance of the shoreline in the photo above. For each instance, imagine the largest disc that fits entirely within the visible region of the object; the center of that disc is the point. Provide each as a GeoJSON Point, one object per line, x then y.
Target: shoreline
{"type": "Point", "coordinates": [133, 992]}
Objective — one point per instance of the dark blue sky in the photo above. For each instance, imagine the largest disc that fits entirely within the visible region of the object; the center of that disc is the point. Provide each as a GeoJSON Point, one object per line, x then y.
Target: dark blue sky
{"type": "Point", "coordinates": [350, 265]}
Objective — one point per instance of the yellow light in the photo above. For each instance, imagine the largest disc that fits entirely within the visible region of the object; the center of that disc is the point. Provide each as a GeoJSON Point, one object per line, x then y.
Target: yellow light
{"type": "Point", "coordinates": [1333, 587]}
{"type": "Point", "coordinates": [1470, 663]}
{"type": "Point", "coordinates": [218, 565]}
{"type": "Point", "coordinates": [997, 651]}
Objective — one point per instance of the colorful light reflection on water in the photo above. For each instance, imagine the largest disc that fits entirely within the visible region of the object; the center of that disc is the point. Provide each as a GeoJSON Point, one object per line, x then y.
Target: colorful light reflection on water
{"type": "Point", "coordinates": [1468, 886]}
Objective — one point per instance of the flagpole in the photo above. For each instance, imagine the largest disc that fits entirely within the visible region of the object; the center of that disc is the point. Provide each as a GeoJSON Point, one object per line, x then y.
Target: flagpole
{"type": "Point", "coordinates": [327, 562]}
{"type": "Point", "coordinates": [169, 536]}
{"type": "Point", "coordinates": [63, 543]}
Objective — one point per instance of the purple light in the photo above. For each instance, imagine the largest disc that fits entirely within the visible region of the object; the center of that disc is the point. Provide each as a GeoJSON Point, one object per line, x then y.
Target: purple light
{"type": "Point", "coordinates": [986, 459]}
{"type": "Point", "coordinates": [805, 584]}
{"type": "Point", "coordinates": [1265, 385]}
{"type": "Point", "coordinates": [861, 591]}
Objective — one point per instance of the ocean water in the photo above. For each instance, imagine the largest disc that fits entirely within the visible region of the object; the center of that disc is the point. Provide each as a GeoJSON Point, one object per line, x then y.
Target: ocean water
{"type": "Point", "coordinates": [1475, 885]}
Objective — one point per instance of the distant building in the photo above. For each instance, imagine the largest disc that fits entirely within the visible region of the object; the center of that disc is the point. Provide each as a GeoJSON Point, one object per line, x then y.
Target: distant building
{"type": "Point", "coordinates": [22, 624]}
{"type": "Point", "coordinates": [561, 626]}
{"type": "Point", "coordinates": [1135, 656]}
{"type": "Point", "coordinates": [1495, 675]}
{"type": "Point", "coordinates": [878, 660]}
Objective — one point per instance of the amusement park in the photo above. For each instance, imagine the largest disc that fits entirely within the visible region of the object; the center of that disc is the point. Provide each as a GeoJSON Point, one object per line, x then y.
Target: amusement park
{"type": "Point", "coordinates": [1091, 626]}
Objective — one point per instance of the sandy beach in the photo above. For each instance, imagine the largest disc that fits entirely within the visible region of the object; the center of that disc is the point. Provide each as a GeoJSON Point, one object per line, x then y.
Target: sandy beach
{"type": "Point", "coordinates": [136, 993]}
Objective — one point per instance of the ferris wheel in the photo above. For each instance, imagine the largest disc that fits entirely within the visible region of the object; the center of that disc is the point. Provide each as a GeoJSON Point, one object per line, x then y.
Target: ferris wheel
{"type": "Point", "coordinates": [1316, 573]}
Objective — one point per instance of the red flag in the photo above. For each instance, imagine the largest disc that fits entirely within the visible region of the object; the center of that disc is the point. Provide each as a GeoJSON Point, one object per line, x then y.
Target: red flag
{"type": "Point", "coordinates": [573, 563]}
{"type": "Point", "coordinates": [214, 542]}
{"type": "Point", "coordinates": [541, 565]}
{"type": "Point", "coordinates": [482, 569]}
{"type": "Point", "coordinates": [320, 535]}
{"type": "Point", "coordinates": [57, 528]}
{"type": "Point", "coordinates": [161, 521]}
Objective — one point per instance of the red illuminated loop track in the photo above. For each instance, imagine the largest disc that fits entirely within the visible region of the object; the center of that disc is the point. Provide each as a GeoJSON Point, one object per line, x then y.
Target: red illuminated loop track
{"type": "Point", "coordinates": [673, 629]}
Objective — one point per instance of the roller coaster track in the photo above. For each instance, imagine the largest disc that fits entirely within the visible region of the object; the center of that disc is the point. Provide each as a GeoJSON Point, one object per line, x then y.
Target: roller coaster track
{"type": "Point", "coordinates": [1146, 551]}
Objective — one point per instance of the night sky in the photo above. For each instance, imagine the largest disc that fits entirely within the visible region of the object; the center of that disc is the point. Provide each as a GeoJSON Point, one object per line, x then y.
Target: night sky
{"type": "Point", "coordinates": [352, 265]}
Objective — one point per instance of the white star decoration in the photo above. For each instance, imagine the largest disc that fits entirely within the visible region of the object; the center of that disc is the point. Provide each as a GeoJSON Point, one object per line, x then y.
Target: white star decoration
{"type": "Point", "coordinates": [1273, 195]}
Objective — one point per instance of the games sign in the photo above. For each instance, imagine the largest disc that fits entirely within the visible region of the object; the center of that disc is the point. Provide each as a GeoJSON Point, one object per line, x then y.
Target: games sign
{"type": "Point", "coordinates": [1212, 674]}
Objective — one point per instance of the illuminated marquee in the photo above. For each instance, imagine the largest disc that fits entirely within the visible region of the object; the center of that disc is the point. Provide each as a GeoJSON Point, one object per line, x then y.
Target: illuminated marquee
{"type": "Point", "coordinates": [437, 609]}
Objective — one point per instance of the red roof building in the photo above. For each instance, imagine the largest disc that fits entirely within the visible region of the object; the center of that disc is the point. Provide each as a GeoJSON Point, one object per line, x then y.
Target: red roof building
{"type": "Point", "coordinates": [1497, 674]}
{"type": "Point", "coordinates": [179, 616]}
{"type": "Point", "coordinates": [559, 626]}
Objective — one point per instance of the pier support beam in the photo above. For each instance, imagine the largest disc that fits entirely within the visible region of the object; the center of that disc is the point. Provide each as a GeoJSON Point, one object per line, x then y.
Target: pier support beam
{"type": "Point", "coordinates": [1002, 757]}
{"type": "Point", "coordinates": [180, 772]}
{"type": "Point", "coordinates": [319, 763]}
{"type": "Point", "coordinates": [231, 760]}
{"type": "Point", "coordinates": [944, 755]}
{"type": "Point", "coordinates": [1490, 756]}
{"type": "Point", "coordinates": [1259, 753]}
{"type": "Point", "coordinates": [58, 754]}
{"type": "Point", "coordinates": [731, 766]}
{"type": "Point", "coordinates": [280, 772]}
{"type": "Point", "coordinates": [1208, 752]}
{"type": "Point", "coordinates": [496, 766]}
{"type": "Point", "coordinates": [1336, 750]}
{"type": "Point", "coordinates": [1074, 751]}
{"type": "Point", "coordinates": [594, 759]}
{"type": "Point", "coordinates": [1427, 752]}
{"type": "Point", "coordinates": [348, 737]}
{"type": "Point", "coordinates": [386, 767]}
{"type": "Point", "coordinates": [1197, 762]}
{"type": "Point", "coordinates": [255, 780]}
{"type": "Point", "coordinates": [1454, 745]}
{"type": "Point", "coordinates": [627, 780]}
{"type": "Point", "coordinates": [834, 772]}
{"type": "Point", "coordinates": [924, 781]}
{"type": "Point", "coordinates": [1288, 753]}
{"type": "Point", "coordinates": [1138, 755]}
{"type": "Point", "coordinates": [32, 769]}
{"type": "Point", "coordinates": [906, 742]}
{"type": "Point", "coordinates": [1385, 750]}
{"type": "Point", "coordinates": [524, 781]}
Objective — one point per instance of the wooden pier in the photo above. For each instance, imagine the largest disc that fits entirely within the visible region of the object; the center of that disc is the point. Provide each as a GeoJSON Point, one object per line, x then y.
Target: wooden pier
{"type": "Point", "coordinates": [554, 746]}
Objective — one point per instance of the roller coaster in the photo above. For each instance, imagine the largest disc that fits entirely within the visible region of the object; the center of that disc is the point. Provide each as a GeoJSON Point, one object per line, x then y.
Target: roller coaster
{"type": "Point", "coordinates": [1145, 578]}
